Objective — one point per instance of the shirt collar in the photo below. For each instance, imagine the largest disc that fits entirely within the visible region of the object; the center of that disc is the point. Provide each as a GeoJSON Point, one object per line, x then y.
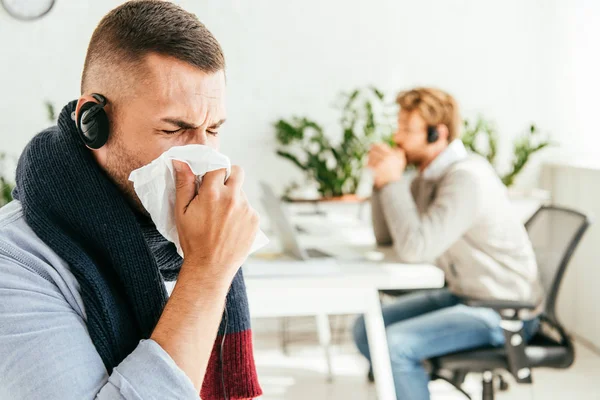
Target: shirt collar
{"type": "Point", "coordinates": [453, 153]}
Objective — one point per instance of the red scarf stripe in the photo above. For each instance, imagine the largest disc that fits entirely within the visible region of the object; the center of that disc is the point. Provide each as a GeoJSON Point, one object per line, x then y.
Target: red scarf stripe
{"type": "Point", "coordinates": [240, 375]}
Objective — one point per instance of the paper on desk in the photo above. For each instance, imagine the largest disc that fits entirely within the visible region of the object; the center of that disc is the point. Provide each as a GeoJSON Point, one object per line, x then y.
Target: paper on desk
{"type": "Point", "coordinates": [155, 186]}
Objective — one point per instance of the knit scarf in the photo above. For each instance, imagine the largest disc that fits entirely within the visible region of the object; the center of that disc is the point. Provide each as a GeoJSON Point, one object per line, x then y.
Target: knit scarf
{"type": "Point", "coordinates": [120, 262]}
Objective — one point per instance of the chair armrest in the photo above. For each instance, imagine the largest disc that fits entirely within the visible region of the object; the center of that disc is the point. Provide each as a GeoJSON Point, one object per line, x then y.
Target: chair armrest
{"type": "Point", "coordinates": [508, 309]}
{"type": "Point", "coordinates": [500, 304]}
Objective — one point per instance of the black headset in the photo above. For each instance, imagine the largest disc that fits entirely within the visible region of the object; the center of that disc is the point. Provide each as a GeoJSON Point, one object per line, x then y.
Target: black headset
{"type": "Point", "coordinates": [92, 122]}
{"type": "Point", "coordinates": [432, 134]}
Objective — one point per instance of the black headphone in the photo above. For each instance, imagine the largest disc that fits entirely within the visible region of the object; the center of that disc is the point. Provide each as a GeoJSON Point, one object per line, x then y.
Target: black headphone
{"type": "Point", "coordinates": [92, 122]}
{"type": "Point", "coordinates": [432, 134]}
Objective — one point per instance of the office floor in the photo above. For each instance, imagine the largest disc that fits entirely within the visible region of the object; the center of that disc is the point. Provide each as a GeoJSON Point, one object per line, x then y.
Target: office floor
{"type": "Point", "coordinates": [301, 373]}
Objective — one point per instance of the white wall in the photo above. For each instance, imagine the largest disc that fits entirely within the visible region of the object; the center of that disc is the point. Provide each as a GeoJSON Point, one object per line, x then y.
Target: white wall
{"type": "Point", "coordinates": [294, 56]}
{"type": "Point", "coordinates": [576, 186]}
{"type": "Point", "coordinates": [583, 31]}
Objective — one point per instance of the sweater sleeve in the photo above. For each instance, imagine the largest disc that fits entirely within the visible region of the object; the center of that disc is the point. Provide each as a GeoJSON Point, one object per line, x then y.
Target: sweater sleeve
{"type": "Point", "coordinates": [46, 352]}
{"type": "Point", "coordinates": [424, 237]}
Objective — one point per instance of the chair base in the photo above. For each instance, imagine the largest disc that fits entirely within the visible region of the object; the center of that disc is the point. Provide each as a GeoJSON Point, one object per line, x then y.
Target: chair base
{"type": "Point", "coordinates": [490, 382]}
{"type": "Point", "coordinates": [454, 383]}
{"type": "Point", "coordinates": [370, 376]}
{"type": "Point", "coordinates": [503, 386]}
{"type": "Point", "coordinates": [487, 385]}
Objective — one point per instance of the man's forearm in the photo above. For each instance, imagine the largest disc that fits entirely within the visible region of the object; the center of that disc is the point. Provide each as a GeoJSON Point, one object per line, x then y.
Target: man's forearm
{"type": "Point", "coordinates": [188, 325]}
{"type": "Point", "coordinates": [380, 226]}
{"type": "Point", "coordinates": [402, 218]}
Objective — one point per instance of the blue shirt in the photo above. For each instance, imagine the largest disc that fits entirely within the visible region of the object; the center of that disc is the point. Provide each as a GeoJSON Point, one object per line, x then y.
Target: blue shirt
{"type": "Point", "coordinates": [45, 349]}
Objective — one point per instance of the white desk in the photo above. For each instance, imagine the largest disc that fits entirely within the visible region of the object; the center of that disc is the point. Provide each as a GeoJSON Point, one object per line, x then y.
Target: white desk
{"type": "Point", "coordinates": [285, 287]}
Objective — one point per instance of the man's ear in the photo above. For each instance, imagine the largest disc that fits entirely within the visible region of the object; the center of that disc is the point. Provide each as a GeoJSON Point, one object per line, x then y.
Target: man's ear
{"type": "Point", "coordinates": [443, 132]}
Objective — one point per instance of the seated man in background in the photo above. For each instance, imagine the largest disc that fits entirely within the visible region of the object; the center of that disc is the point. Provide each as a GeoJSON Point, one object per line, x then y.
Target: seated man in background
{"type": "Point", "coordinates": [456, 212]}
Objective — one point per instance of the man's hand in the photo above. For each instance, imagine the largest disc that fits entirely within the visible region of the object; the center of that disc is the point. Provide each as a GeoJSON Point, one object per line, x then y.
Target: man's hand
{"type": "Point", "coordinates": [216, 226]}
{"type": "Point", "coordinates": [387, 164]}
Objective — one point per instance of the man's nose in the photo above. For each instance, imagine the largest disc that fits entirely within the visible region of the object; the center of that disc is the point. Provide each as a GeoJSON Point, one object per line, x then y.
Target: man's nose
{"type": "Point", "coordinates": [199, 137]}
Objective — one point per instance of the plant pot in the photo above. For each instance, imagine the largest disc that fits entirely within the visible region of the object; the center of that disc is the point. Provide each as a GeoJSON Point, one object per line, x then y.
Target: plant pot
{"type": "Point", "coordinates": [346, 198]}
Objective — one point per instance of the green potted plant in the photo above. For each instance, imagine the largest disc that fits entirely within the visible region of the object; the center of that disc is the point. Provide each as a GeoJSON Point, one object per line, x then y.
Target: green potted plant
{"type": "Point", "coordinates": [50, 111]}
{"type": "Point", "coordinates": [6, 186]}
{"type": "Point", "coordinates": [481, 137]}
{"type": "Point", "coordinates": [335, 166]}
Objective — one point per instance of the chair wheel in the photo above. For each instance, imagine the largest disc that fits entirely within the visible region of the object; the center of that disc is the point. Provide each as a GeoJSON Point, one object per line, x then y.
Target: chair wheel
{"type": "Point", "coordinates": [370, 376]}
{"type": "Point", "coordinates": [502, 384]}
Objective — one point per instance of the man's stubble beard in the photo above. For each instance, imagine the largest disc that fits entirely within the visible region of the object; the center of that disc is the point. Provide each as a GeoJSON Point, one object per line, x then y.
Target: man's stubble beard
{"type": "Point", "coordinates": [119, 165]}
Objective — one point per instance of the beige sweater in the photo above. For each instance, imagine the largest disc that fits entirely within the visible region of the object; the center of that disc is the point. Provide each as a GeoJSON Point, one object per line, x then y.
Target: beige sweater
{"type": "Point", "coordinates": [460, 218]}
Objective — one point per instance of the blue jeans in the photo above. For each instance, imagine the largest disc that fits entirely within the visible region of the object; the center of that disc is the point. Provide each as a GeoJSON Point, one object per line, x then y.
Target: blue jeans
{"type": "Point", "coordinates": [427, 324]}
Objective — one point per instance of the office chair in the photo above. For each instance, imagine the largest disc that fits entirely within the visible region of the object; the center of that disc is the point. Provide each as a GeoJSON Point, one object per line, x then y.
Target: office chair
{"type": "Point", "coordinates": [555, 234]}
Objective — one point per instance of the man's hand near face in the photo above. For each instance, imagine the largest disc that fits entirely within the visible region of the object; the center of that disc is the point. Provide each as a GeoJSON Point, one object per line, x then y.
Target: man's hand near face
{"type": "Point", "coordinates": [387, 164]}
{"type": "Point", "coordinates": [216, 226]}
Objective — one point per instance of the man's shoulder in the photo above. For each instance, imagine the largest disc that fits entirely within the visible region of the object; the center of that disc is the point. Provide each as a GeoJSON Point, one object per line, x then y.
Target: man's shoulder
{"type": "Point", "coordinates": [10, 213]}
{"type": "Point", "coordinates": [20, 246]}
{"type": "Point", "coordinates": [474, 168]}
{"type": "Point", "coordinates": [14, 230]}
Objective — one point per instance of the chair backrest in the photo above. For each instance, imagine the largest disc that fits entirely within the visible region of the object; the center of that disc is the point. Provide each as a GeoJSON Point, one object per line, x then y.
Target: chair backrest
{"type": "Point", "coordinates": [555, 233]}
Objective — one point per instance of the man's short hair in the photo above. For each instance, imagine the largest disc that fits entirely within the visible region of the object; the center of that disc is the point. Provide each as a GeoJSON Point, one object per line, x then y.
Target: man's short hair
{"type": "Point", "coordinates": [137, 28]}
{"type": "Point", "coordinates": [435, 106]}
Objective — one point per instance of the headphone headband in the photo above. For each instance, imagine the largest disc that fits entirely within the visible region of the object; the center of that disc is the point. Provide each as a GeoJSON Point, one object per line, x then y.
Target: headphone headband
{"type": "Point", "coordinates": [101, 99]}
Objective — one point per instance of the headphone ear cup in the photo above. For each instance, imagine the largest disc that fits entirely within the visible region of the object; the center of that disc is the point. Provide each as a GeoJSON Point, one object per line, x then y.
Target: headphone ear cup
{"type": "Point", "coordinates": [432, 134]}
{"type": "Point", "coordinates": [92, 125]}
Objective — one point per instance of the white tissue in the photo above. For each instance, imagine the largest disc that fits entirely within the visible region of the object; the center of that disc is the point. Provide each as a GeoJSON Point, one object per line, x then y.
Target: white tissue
{"type": "Point", "coordinates": [155, 186]}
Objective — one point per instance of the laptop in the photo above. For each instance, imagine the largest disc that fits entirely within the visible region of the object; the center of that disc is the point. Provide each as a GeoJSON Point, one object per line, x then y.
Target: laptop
{"type": "Point", "coordinates": [287, 234]}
